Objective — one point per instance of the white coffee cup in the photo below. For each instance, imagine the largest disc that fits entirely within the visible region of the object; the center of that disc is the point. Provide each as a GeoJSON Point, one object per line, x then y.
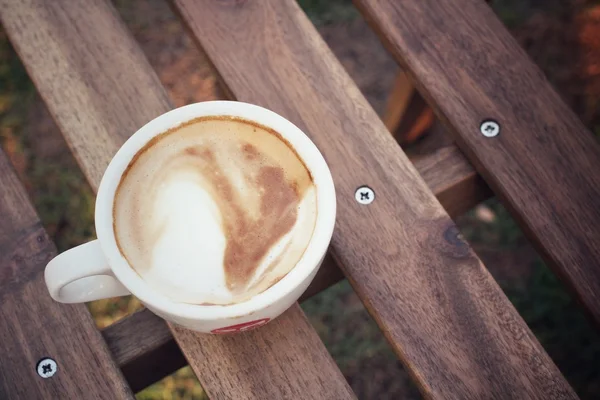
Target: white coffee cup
{"type": "Point", "coordinates": [98, 270]}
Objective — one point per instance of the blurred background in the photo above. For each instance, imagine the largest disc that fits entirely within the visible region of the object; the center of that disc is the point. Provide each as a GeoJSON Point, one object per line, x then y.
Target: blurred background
{"type": "Point", "coordinates": [562, 37]}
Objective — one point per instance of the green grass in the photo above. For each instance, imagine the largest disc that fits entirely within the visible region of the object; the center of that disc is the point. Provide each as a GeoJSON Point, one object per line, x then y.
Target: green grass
{"type": "Point", "coordinates": [327, 11]}
{"type": "Point", "coordinates": [182, 385]}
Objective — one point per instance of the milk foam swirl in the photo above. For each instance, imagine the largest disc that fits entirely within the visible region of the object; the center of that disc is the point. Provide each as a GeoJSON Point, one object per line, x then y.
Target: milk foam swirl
{"type": "Point", "coordinates": [215, 211]}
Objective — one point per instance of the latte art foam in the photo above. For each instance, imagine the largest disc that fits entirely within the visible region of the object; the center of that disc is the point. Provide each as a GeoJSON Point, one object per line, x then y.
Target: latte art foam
{"type": "Point", "coordinates": [215, 211]}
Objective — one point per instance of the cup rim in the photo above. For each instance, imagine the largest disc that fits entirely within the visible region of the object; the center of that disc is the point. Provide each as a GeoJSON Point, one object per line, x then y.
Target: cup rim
{"type": "Point", "coordinates": [310, 260]}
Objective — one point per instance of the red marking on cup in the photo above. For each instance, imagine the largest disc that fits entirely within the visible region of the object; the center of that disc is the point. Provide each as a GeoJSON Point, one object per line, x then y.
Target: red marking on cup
{"type": "Point", "coordinates": [241, 327]}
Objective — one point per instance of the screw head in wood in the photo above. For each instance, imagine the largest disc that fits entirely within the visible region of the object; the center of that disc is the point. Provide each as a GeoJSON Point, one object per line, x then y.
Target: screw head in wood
{"type": "Point", "coordinates": [46, 367]}
{"type": "Point", "coordinates": [364, 195]}
{"type": "Point", "coordinates": [489, 128]}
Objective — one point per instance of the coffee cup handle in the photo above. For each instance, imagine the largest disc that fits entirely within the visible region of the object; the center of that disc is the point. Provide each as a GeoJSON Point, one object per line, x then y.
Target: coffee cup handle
{"type": "Point", "coordinates": [82, 274]}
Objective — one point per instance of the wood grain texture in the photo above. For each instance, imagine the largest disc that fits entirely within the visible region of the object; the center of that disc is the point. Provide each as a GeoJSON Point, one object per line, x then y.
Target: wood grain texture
{"type": "Point", "coordinates": [143, 345]}
{"type": "Point", "coordinates": [452, 179]}
{"type": "Point", "coordinates": [443, 313]}
{"type": "Point", "coordinates": [33, 326]}
{"type": "Point", "coordinates": [144, 348]}
{"type": "Point", "coordinates": [544, 164]}
{"type": "Point", "coordinates": [279, 363]}
{"type": "Point", "coordinates": [133, 336]}
{"type": "Point", "coordinates": [100, 88]}
{"type": "Point", "coordinates": [407, 115]}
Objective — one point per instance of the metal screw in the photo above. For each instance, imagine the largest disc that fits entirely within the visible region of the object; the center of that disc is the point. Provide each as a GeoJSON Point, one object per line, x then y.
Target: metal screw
{"type": "Point", "coordinates": [489, 128]}
{"type": "Point", "coordinates": [46, 367]}
{"type": "Point", "coordinates": [364, 195]}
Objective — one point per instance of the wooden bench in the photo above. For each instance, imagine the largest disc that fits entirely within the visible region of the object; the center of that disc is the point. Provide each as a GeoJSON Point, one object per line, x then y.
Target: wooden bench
{"type": "Point", "coordinates": [442, 312]}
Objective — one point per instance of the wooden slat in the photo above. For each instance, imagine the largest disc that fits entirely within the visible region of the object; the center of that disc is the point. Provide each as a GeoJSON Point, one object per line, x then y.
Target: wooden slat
{"type": "Point", "coordinates": [443, 313]}
{"type": "Point", "coordinates": [143, 346]}
{"type": "Point", "coordinates": [100, 88]}
{"type": "Point", "coordinates": [135, 335]}
{"type": "Point", "coordinates": [544, 164]}
{"type": "Point", "coordinates": [155, 355]}
{"type": "Point", "coordinates": [452, 179]}
{"type": "Point", "coordinates": [33, 326]}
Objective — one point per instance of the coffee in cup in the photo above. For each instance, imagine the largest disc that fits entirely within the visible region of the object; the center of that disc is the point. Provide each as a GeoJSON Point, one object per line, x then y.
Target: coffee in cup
{"type": "Point", "coordinates": [215, 215]}
{"type": "Point", "coordinates": [214, 211]}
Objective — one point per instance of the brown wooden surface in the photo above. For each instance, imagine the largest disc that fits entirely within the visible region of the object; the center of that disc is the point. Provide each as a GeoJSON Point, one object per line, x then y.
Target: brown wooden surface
{"type": "Point", "coordinates": [443, 313]}
{"type": "Point", "coordinates": [100, 88]}
{"type": "Point", "coordinates": [544, 164]}
{"type": "Point", "coordinates": [33, 326]}
{"type": "Point", "coordinates": [144, 348]}
{"type": "Point", "coordinates": [452, 179]}
{"type": "Point", "coordinates": [148, 354]}
{"type": "Point", "coordinates": [290, 331]}
{"type": "Point", "coordinates": [133, 336]}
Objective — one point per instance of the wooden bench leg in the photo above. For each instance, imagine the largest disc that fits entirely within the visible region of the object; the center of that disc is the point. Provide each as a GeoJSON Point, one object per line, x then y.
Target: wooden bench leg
{"type": "Point", "coordinates": [398, 101]}
{"type": "Point", "coordinates": [407, 115]}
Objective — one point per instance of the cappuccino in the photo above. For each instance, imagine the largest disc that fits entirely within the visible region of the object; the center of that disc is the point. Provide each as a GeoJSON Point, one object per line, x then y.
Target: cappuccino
{"type": "Point", "coordinates": [214, 211]}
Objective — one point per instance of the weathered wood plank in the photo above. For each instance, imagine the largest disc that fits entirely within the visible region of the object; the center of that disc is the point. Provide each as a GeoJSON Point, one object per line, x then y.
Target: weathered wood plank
{"type": "Point", "coordinates": [33, 325]}
{"type": "Point", "coordinates": [266, 352]}
{"type": "Point", "coordinates": [155, 355]}
{"type": "Point", "coordinates": [452, 179]}
{"type": "Point", "coordinates": [544, 164]}
{"type": "Point", "coordinates": [100, 88]}
{"type": "Point", "coordinates": [144, 348]}
{"type": "Point", "coordinates": [441, 310]}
